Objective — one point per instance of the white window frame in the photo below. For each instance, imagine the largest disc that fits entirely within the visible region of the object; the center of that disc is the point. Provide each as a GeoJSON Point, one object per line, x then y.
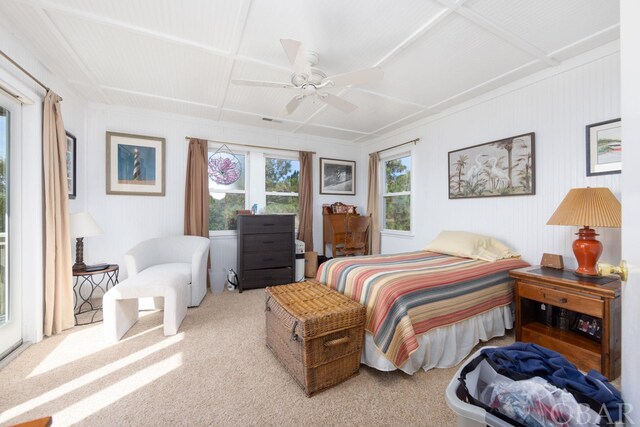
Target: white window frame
{"type": "Point", "coordinates": [212, 147]}
{"type": "Point", "coordinates": [393, 155]}
{"type": "Point", "coordinates": [278, 193]}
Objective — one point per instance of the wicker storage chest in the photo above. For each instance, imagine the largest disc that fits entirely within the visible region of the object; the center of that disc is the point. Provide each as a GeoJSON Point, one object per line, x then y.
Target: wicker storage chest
{"type": "Point", "coordinates": [315, 332]}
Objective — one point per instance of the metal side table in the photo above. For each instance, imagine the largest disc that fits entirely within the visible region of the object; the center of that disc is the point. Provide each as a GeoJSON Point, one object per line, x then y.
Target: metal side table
{"type": "Point", "coordinates": [88, 289]}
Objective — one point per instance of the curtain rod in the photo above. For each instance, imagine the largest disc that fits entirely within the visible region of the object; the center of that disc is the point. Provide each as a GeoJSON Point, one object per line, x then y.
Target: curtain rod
{"type": "Point", "coordinates": [250, 145]}
{"type": "Point", "coordinates": [413, 141]}
{"type": "Point", "coordinates": [31, 76]}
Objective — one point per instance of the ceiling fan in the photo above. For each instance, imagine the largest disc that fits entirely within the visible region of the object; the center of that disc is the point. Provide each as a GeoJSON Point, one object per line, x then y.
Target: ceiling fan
{"type": "Point", "coordinates": [309, 81]}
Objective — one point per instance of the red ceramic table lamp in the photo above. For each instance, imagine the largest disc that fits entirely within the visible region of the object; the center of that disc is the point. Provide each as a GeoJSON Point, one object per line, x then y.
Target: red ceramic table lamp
{"type": "Point", "coordinates": [588, 207]}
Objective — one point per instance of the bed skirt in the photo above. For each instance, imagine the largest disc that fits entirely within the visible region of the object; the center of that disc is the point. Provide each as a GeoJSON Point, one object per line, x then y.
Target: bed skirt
{"type": "Point", "coordinates": [446, 346]}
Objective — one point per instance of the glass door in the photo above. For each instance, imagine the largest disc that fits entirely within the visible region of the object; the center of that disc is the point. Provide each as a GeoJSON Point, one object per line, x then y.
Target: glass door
{"type": "Point", "coordinates": [10, 293]}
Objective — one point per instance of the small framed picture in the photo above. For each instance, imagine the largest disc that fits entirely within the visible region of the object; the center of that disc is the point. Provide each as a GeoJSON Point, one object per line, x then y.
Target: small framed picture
{"type": "Point", "coordinates": [604, 147]}
{"type": "Point", "coordinates": [71, 165]}
{"type": "Point", "coordinates": [135, 164]}
{"type": "Point", "coordinates": [337, 177]}
{"type": "Point", "coordinates": [588, 326]}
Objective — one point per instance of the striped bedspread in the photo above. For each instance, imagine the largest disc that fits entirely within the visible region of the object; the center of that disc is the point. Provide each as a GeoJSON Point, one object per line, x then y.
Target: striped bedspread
{"type": "Point", "coordinates": [411, 293]}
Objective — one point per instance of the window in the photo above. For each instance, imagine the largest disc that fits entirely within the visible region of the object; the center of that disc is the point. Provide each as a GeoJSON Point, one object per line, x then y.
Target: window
{"type": "Point", "coordinates": [225, 200]}
{"type": "Point", "coordinates": [281, 185]}
{"type": "Point", "coordinates": [396, 197]}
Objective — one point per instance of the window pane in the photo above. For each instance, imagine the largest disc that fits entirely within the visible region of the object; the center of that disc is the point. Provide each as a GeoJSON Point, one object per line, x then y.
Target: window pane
{"type": "Point", "coordinates": [222, 213]}
{"type": "Point", "coordinates": [281, 175]}
{"type": "Point", "coordinates": [283, 204]}
{"type": "Point", "coordinates": [222, 167]}
{"type": "Point", "coordinates": [398, 175]}
{"type": "Point", "coordinates": [397, 212]}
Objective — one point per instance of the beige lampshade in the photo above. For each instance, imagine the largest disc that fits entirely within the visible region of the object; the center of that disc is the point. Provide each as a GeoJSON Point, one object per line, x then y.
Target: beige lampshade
{"type": "Point", "coordinates": [591, 207]}
{"type": "Point", "coordinates": [83, 225]}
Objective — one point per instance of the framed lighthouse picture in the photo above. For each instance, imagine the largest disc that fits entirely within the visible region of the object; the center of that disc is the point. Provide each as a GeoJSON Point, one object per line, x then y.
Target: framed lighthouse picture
{"type": "Point", "coordinates": [135, 164]}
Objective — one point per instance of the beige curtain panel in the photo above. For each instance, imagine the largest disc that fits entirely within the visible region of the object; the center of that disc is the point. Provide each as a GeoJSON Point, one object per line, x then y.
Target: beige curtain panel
{"type": "Point", "coordinates": [196, 204]}
{"type": "Point", "coordinates": [58, 280]}
{"type": "Point", "coordinates": [305, 192]}
{"type": "Point", "coordinates": [373, 202]}
{"type": "Point", "coordinates": [196, 194]}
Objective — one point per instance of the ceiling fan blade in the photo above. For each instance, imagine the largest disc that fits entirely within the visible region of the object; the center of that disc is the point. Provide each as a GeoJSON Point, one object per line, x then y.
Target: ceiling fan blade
{"type": "Point", "coordinates": [293, 104]}
{"type": "Point", "coordinates": [296, 54]}
{"type": "Point", "coordinates": [337, 102]}
{"type": "Point", "coordinates": [367, 75]}
{"type": "Point", "coordinates": [260, 83]}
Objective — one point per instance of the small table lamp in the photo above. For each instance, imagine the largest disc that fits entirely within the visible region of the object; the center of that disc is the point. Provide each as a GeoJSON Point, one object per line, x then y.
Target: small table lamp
{"type": "Point", "coordinates": [588, 207]}
{"type": "Point", "coordinates": [82, 225]}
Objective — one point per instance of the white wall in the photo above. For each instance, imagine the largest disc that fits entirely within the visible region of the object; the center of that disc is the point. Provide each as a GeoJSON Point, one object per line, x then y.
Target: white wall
{"type": "Point", "coordinates": [26, 197]}
{"type": "Point", "coordinates": [556, 104]}
{"type": "Point", "coordinates": [127, 220]}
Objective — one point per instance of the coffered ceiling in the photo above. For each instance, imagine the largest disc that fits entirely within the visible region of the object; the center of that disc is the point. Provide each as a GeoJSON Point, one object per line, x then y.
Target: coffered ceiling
{"type": "Point", "coordinates": [180, 56]}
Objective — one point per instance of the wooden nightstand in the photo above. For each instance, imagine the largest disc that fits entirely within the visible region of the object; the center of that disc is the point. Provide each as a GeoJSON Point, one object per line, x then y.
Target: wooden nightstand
{"type": "Point", "coordinates": [572, 296]}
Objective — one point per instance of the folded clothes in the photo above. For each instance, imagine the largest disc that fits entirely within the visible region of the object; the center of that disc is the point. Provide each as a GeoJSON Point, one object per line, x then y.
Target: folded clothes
{"type": "Point", "coordinates": [532, 359]}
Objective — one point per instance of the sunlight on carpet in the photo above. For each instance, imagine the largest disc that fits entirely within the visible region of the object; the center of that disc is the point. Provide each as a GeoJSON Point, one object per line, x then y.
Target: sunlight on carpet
{"type": "Point", "coordinates": [88, 378]}
{"type": "Point", "coordinates": [76, 345]}
{"type": "Point", "coordinates": [107, 396]}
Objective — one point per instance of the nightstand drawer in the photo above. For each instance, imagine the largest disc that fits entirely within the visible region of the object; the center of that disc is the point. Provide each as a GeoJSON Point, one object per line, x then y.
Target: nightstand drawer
{"type": "Point", "coordinates": [579, 303]}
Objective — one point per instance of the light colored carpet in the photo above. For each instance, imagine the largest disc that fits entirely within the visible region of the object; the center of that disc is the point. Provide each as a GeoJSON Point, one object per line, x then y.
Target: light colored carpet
{"type": "Point", "coordinates": [215, 371]}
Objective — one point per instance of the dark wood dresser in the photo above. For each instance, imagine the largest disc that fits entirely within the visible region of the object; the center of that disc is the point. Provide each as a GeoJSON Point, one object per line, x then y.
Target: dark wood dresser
{"type": "Point", "coordinates": [266, 250]}
{"type": "Point", "coordinates": [575, 316]}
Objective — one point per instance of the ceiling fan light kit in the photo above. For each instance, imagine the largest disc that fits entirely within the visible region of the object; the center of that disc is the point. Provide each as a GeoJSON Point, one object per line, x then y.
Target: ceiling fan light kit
{"type": "Point", "coordinates": [307, 79]}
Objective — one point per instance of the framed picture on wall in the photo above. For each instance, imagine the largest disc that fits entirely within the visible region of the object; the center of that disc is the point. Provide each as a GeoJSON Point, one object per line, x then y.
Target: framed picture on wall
{"type": "Point", "coordinates": [135, 164]}
{"type": "Point", "coordinates": [337, 177]}
{"type": "Point", "coordinates": [71, 165]}
{"type": "Point", "coordinates": [505, 167]}
{"type": "Point", "coordinates": [604, 147]}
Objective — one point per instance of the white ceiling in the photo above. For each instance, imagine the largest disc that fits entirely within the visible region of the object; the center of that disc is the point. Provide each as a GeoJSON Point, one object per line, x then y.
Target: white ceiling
{"type": "Point", "coordinates": [179, 56]}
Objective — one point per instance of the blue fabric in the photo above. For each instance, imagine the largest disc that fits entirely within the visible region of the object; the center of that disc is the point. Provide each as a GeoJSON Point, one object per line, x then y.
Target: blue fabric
{"type": "Point", "coordinates": [532, 359]}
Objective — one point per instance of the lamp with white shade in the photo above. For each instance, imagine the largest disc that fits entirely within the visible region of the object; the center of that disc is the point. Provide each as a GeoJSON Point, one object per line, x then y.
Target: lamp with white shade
{"type": "Point", "coordinates": [82, 225]}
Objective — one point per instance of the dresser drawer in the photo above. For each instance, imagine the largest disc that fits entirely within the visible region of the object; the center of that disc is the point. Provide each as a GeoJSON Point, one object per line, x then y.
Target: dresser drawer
{"type": "Point", "coordinates": [267, 259]}
{"type": "Point", "coordinates": [267, 242]}
{"type": "Point", "coordinates": [574, 302]}
{"type": "Point", "coordinates": [266, 223]}
{"type": "Point", "coordinates": [267, 277]}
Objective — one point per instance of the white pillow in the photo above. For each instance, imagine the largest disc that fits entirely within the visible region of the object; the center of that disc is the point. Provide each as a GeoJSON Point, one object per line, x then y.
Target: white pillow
{"type": "Point", "coordinates": [470, 245]}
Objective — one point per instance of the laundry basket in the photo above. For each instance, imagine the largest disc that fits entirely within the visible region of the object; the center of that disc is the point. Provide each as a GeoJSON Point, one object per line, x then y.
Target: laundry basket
{"type": "Point", "coordinates": [522, 399]}
{"type": "Point", "coordinates": [469, 415]}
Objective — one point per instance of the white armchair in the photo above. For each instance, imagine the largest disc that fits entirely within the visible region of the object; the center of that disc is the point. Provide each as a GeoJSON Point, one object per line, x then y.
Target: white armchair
{"type": "Point", "coordinates": [176, 254]}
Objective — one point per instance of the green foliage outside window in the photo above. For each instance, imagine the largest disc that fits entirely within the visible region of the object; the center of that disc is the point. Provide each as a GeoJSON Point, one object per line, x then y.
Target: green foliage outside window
{"type": "Point", "coordinates": [397, 207]}
{"type": "Point", "coordinates": [397, 213]}
{"type": "Point", "coordinates": [282, 176]}
{"type": "Point", "coordinates": [283, 204]}
{"type": "Point", "coordinates": [398, 175]}
{"type": "Point", "coordinates": [222, 213]}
